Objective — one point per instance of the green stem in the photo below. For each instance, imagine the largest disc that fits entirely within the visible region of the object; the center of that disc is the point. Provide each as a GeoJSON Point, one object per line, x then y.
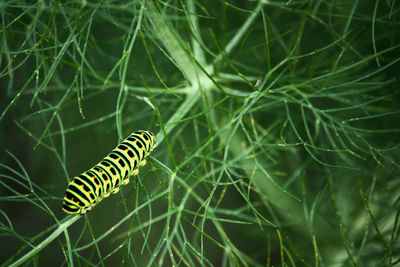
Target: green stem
{"type": "Point", "coordinates": [61, 228]}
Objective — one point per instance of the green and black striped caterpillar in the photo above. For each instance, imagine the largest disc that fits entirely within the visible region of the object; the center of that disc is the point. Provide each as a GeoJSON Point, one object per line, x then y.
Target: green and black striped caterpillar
{"type": "Point", "coordinates": [90, 187]}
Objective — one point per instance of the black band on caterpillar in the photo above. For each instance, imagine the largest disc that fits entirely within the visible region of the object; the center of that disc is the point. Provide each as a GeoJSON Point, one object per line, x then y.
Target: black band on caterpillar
{"type": "Point", "coordinates": [97, 183]}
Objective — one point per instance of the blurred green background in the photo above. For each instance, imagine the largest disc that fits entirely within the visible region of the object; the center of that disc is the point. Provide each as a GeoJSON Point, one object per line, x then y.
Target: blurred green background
{"type": "Point", "coordinates": [277, 124]}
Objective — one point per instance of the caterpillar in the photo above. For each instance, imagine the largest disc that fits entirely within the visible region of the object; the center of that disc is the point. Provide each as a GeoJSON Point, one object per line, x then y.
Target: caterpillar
{"type": "Point", "coordinates": [89, 188]}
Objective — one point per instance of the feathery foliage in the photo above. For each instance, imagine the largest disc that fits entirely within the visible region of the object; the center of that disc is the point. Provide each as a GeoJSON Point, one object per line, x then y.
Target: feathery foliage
{"type": "Point", "coordinates": [277, 122]}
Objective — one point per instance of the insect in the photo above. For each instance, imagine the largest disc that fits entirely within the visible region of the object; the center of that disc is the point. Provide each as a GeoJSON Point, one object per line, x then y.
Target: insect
{"type": "Point", "coordinates": [97, 183]}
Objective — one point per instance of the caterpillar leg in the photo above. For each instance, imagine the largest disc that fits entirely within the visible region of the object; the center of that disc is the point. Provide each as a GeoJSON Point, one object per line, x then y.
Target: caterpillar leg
{"type": "Point", "coordinates": [106, 194]}
{"type": "Point", "coordinates": [126, 181]}
{"type": "Point", "coordinates": [135, 172]}
{"type": "Point", "coordinates": [116, 190]}
{"type": "Point", "coordinates": [142, 162]}
{"type": "Point", "coordinates": [83, 211]}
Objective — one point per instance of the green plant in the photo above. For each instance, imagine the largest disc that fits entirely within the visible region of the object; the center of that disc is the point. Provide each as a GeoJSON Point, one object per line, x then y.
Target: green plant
{"type": "Point", "coordinates": [277, 121]}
